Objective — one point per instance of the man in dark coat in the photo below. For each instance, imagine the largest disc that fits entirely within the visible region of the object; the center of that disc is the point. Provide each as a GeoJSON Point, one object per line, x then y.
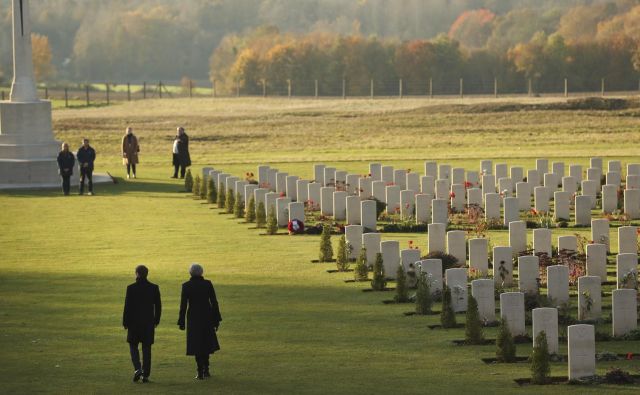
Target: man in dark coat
{"type": "Point", "coordinates": [86, 156]}
{"type": "Point", "coordinates": [142, 310]}
{"type": "Point", "coordinates": [200, 306]}
{"type": "Point", "coordinates": [66, 161]}
{"type": "Point", "coordinates": [181, 157]}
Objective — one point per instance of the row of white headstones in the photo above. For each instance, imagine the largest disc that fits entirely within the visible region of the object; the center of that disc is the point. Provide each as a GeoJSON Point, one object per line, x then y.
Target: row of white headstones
{"type": "Point", "coordinates": [348, 197]}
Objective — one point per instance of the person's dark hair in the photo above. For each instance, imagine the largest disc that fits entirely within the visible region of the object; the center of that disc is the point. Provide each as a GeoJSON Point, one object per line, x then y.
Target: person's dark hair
{"type": "Point", "coordinates": [142, 271]}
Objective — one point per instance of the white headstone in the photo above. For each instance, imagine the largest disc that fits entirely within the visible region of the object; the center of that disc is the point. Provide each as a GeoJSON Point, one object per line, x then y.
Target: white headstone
{"type": "Point", "coordinates": [551, 182]}
{"type": "Point", "coordinates": [353, 236]}
{"type": "Point", "coordinates": [393, 199]}
{"type": "Point", "coordinates": [583, 210]}
{"type": "Point", "coordinates": [444, 172]}
{"type": "Point", "coordinates": [473, 178]}
{"type": "Point", "coordinates": [590, 188]}
{"type": "Point", "coordinates": [596, 163]}
{"type": "Point", "coordinates": [589, 298]}
{"type": "Point", "coordinates": [570, 185]}
{"type": "Point", "coordinates": [492, 207]}
{"type": "Point", "coordinates": [431, 169]}
{"type": "Point", "coordinates": [458, 175]}
{"type": "Point", "coordinates": [456, 280]}
{"type": "Point", "coordinates": [474, 196]}
{"type": "Point", "coordinates": [433, 269]}
{"type": "Point", "coordinates": [597, 260]}
{"type": "Point", "coordinates": [330, 177]}
{"type": "Point", "coordinates": [503, 266]}
{"type": "Point", "coordinates": [407, 209]}
{"type": "Point", "coordinates": [517, 174]}
{"type": "Point", "coordinates": [340, 205]}
{"type": "Point", "coordinates": [353, 210]}
{"type": "Point", "coordinates": [627, 271]}
{"type": "Point", "coordinates": [546, 319]}
{"type": "Point", "coordinates": [282, 213]}
{"type": "Point", "coordinates": [542, 241]}
{"type": "Point", "coordinates": [512, 311]}
{"type": "Point", "coordinates": [600, 232]}
{"type": "Point", "coordinates": [260, 196]}
{"type": "Point", "coordinates": [609, 199]}
{"type": "Point", "coordinates": [613, 178]}
{"type": "Point", "coordinates": [270, 202]}
{"type": "Point", "coordinates": [248, 192]}
{"type": "Point", "coordinates": [541, 199]}
{"type": "Point", "coordinates": [437, 237]}
{"type": "Point", "coordinates": [296, 211]}
{"type": "Point", "coordinates": [400, 178]}
{"type": "Point", "coordinates": [488, 184]}
{"type": "Point", "coordinates": [511, 210]}
{"type": "Point", "coordinates": [390, 250]}
{"type": "Point", "coordinates": [478, 255]}
{"type": "Point", "coordinates": [615, 165]}
{"type": "Point", "coordinates": [633, 169]}
{"type": "Point", "coordinates": [483, 291]}
{"type": "Point", "coordinates": [409, 259]}
{"type": "Point", "coordinates": [341, 180]}
{"type": "Point", "coordinates": [428, 185]}
{"type": "Point", "coordinates": [368, 215]}
{"type": "Point", "coordinates": [353, 184]}
{"type": "Point", "coordinates": [263, 175]}
{"type": "Point", "coordinates": [632, 203]}
{"type": "Point", "coordinates": [523, 194]}
{"type": "Point", "coordinates": [624, 311]}
{"type": "Point", "coordinates": [457, 245]}
{"type": "Point", "coordinates": [534, 178]}
{"type": "Point", "coordinates": [379, 189]}
{"type": "Point", "coordinates": [423, 208]}
{"type": "Point", "coordinates": [366, 188]}
{"type": "Point", "coordinates": [518, 236]}
{"type": "Point", "coordinates": [633, 182]}
{"type": "Point", "coordinates": [557, 168]}
{"type": "Point", "coordinates": [302, 190]}
{"type": "Point", "coordinates": [375, 170]}
{"type": "Point", "coordinates": [315, 196]}
{"type": "Point", "coordinates": [371, 242]}
{"type": "Point", "coordinates": [562, 205]}
{"type": "Point", "coordinates": [443, 186]}
{"type": "Point", "coordinates": [558, 284]}
{"type": "Point", "coordinates": [582, 351]}
{"type": "Point", "coordinates": [413, 182]}
{"type": "Point", "coordinates": [542, 166]}
{"type": "Point", "coordinates": [439, 211]}
{"type": "Point", "coordinates": [567, 243]}
{"type": "Point", "coordinates": [528, 273]}
{"type": "Point", "coordinates": [458, 198]}
{"type": "Point", "coordinates": [502, 171]}
{"type": "Point", "coordinates": [627, 240]}
{"type": "Point", "coordinates": [486, 167]}
{"type": "Point", "coordinates": [292, 188]}
{"type": "Point", "coordinates": [326, 200]}
{"type": "Point", "coordinates": [318, 172]}
{"type": "Point", "coordinates": [387, 174]}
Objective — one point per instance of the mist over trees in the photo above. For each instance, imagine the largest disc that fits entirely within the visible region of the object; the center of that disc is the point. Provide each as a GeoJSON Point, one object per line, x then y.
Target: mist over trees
{"type": "Point", "coordinates": [248, 41]}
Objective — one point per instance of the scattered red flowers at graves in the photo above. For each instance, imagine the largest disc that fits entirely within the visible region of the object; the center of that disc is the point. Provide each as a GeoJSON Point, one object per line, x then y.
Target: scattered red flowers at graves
{"type": "Point", "coordinates": [467, 184]}
{"type": "Point", "coordinates": [452, 195]}
{"type": "Point", "coordinates": [295, 227]}
{"type": "Point", "coordinates": [629, 356]}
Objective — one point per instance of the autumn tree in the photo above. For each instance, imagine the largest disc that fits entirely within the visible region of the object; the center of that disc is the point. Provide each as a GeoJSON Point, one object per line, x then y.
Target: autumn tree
{"type": "Point", "coordinates": [473, 28]}
{"type": "Point", "coordinates": [41, 50]}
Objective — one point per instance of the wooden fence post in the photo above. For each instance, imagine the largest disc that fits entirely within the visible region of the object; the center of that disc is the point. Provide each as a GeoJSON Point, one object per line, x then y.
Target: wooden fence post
{"type": "Point", "coordinates": [66, 97]}
{"type": "Point", "coordinates": [144, 90]}
{"type": "Point", "coordinates": [128, 91]}
{"type": "Point", "coordinates": [400, 89]}
{"type": "Point", "coordinates": [316, 88]}
{"type": "Point", "coordinates": [87, 94]}
{"type": "Point", "coordinates": [107, 85]}
{"type": "Point", "coordinates": [371, 92]}
{"type": "Point", "coordinates": [238, 88]}
{"type": "Point", "coordinates": [495, 88]}
{"type": "Point", "coordinates": [289, 89]}
{"type": "Point", "coordinates": [602, 87]}
{"type": "Point", "coordinates": [431, 88]}
{"type": "Point", "coordinates": [566, 87]}
{"type": "Point", "coordinates": [190, 88]}
{"type": "Point", "coordinates": [344, 89]}
{"type": "Point", "coordinates": [461, 88]}
{"type": "Point", "coordinates": [160, 88]}
{"type": "Point", "coordinates": [213, 88]}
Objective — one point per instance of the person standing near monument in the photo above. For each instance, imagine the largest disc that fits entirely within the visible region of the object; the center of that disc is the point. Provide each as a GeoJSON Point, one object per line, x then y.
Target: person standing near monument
{"type": "Point", "coordinates": [86, 156]}
{"type": "Point", "coordinates": [66, 161]}
{"type": "Point", "coordinates": [199, 305]}
{"type": "Point", "coordinates": [142, 311]}
{"type": "Point", "coordinates": [181, 157]}
{"type": "Point", "coordinates": [130, 149]}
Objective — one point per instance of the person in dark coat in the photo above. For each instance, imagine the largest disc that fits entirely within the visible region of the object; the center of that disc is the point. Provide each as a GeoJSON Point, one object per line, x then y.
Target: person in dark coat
{"type": "Point", "coordinates": [130, 151]}
{"type": "Point", "coordinates": [181, 157]}
{"type": "Point", "coordinates": [142, 311]}
{"type": "Point", "coordinates": [66, 161]}
{"type": "Point", "coordinates": [199, 305]}
{"type": "Point", "coordinates": [86, 156]}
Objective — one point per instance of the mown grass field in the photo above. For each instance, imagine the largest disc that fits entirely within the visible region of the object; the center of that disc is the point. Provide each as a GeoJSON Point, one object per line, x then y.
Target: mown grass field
{"type": "Point", "coordinates": [289, 326]}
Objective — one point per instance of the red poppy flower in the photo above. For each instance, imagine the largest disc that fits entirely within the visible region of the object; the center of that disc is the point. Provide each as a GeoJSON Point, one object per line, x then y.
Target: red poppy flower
{"type": "Point", "coordinates": [452, 195]}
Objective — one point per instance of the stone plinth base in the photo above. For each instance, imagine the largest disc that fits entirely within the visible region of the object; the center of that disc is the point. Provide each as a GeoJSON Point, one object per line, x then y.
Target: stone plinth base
{"type": "Point", "coordinates": [98, 178]}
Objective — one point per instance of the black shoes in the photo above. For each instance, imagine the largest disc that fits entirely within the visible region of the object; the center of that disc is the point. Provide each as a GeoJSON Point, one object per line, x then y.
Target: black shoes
{"type": "Point", "coordinates": [145, 379]}
{"type": "Point", "coordinates": [136, 376]}
{"type": "Point", "coordinates": [206, 373]}
{"type": "Point", "coordinates": [199, 376]}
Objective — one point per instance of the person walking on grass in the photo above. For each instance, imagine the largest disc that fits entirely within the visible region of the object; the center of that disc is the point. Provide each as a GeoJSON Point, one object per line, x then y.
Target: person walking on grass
{"type": "Point", "coordinates": [86, 156]}
{"type": "Point", "coordinates": [200, 313]}
{"type": "Point", "coordinates": [142, 311]}
{"type": "Point", "coordinates": [181, 157]}
{"type": "Point", "coordinates": [66, 161]}
{"type": "Point", "coordinates": [130, 150]}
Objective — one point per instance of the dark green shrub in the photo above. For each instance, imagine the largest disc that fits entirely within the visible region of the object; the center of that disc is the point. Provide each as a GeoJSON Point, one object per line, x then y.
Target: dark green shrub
{"type": "Point", "coordinates": [261, 215]}
{"type": "Point", "coordinates": [379, 282]}
{"type": "Point", "coordinates": [361, 272]}
{"type": "Point", "coordinates": [203, 188]}
{"type": "Point", "coordinates": [326, 249]}
{"type": "Point", "coordinates": [506, 347]}
{"type": "Point", "coordinates": [212, 191]}
{"type": "Point", "coordinates": [196, 186]}
{"type": "Point", "coordinates": [250, 212]}
{"type": "Point", "coordinates": [188, 181]}
{"type": "Point", "coordinates": [401, 286]}
{"type": "Point", "coordinates": [342, 256]}
{"type": "Point", "coordinates": [222, 198]}
{"type": "Point", "coordinates": [473, 325]}
{"type": "Point", "coordinates": [424, 301]}
{"type": "Point", "coordinates": [231, 201]}
{"type": "Point", "coordinates": [540, 360]}
{"type": "Point", "coordinates": [238, 207]}
{"type": "Point", "coordinates": [272, 222]}
{"type": "Point", "coordinates": [448, 261]}
{"type": "Point", "coordinates": [447, 315]}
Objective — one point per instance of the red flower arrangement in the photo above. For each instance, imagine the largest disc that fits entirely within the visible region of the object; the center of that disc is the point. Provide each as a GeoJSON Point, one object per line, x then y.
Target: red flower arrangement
{"type": "Point", "coordinates": [295, 227]}
{"type": "Point", "coordinates": [452, 195]}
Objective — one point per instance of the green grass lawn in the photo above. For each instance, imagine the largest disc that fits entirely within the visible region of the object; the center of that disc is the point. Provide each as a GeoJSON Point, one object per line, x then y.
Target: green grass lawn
{"type": "Point", "coordinates": [289, 326]}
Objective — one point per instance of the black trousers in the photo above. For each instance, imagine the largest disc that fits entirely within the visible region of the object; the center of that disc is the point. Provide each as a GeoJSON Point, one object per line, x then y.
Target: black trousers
{"type": "Point", "coordinates": [178, 166]}
{"type": "Point", "coordinates": [66, 183]}
{"type": "Point", "coordinates": [131, 166]}
{"type": "Point", "coordinates": [86, 173]}
{"type": "Point", "coordinates": [202, 361]}
{"type": "Point", "coordinates": [146, 358]}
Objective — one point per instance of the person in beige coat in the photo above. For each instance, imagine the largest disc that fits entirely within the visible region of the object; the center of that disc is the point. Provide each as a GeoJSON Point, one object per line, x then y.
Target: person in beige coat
{"type": "Point", "coordinates": [130, 149]}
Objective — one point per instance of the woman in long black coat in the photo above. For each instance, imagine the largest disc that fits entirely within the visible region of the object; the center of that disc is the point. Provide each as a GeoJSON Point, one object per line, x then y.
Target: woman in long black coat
{"type": "Point", "coordinates": [199, 305]}
{"type": "Point", "coordinates": [181, 156]}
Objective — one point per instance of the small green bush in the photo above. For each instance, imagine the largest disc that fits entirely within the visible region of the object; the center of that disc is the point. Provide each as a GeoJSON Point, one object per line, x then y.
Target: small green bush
{"type": "Point", "coordinates": [448, 261]}
{"type": "Point", "coordinates": [361, 272]}
{"type": "Point", "coordinates": [250, 212]}
{"type": "Point", "coordinates": [196, 186]}
{"type": "Point", "coordinates": [401, 286]}
{"type": "Point", "coordinates": [261, 215]}
{"type": "Point", "coordinates": [188, 181]}
{"type": "Point", "coordinates": [473, 325]}
{"type": "Point", "coordinates": [222, 197]}
{"type": "Point", "coordinates": [506, 347]}
{"type": "Point", "coordinates": [203, 188]}
{"type": "Point", "coordinates": [540, 360]}
{"type": "Point", "coordinates": [424, 301]}
{"type": "Point", "coordinates": [272, 222]}
{"type": "Point", "coordinates": [447, 315]}
{"type": "Point", "coordinates": [342, 257]}
{"type": "Point", "coordinates": [212, 192]}
{"type": "Point", "coordinates": [231, 201]}
{"type": "Point", "coordinates": [238, 207]}
{"type": "Point", "coordinates": [326, 249]}
{"type": "Point", "coordinates": [379, 282]}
